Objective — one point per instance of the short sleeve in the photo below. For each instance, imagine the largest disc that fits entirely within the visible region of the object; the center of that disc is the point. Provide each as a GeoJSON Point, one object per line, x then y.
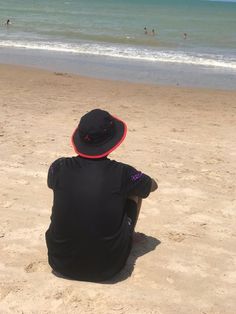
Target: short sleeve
{"type": "Point", "coordinates": [136, 182]}
{"type": "Point", "coordinates": [53, 172]}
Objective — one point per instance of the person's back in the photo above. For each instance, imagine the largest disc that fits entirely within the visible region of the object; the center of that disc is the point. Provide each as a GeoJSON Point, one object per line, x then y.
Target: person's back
{"type": "Point", "coordinates": [90, 234]}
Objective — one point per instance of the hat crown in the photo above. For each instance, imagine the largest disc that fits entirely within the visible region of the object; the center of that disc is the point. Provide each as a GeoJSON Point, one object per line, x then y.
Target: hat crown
{"type": "Point", "coordinates": [98, 134]}
{"type": "Point", "coordinates": [97, 126]}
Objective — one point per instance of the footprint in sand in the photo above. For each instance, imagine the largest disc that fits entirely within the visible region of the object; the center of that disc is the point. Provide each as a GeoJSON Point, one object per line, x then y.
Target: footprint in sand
{"type": "Point", "coordinates": [5, 290]}
{"type": "Point", "coordinates": [180, 236]}
{"type": "Point", "coordinates": [37, 266]}
{"type": "Point", "coordinates": [176, 236]}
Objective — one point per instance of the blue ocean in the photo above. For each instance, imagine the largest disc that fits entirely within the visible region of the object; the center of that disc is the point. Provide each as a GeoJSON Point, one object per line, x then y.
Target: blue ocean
{"type": "Point", "coordinates": [192, 32]}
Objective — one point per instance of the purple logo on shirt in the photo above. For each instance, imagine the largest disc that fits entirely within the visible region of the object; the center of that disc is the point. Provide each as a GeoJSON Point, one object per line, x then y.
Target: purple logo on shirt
{"type": "Point", "coordinates": [136, 176]}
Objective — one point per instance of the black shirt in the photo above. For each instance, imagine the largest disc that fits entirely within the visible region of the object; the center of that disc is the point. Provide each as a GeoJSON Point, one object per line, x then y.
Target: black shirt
{"type": "Point", "coordinates": [89, 237]}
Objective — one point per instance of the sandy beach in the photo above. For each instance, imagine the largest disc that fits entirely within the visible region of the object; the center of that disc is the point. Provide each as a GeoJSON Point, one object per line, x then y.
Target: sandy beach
{"type": "Point", "coordinates": [185, 259]}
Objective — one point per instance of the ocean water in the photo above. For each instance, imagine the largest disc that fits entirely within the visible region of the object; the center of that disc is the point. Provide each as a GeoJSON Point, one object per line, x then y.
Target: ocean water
{"type": "Point", "coordinates": [115, 29]}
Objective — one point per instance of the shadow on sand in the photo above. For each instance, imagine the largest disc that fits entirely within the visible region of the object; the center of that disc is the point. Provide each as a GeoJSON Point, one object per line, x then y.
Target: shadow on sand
{"type": "Point", "coordinates": [142, 244]}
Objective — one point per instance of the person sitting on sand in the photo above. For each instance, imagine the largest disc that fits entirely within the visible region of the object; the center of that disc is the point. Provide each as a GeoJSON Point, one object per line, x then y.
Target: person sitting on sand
{"type": "Point", "coordinates": [96, 202]}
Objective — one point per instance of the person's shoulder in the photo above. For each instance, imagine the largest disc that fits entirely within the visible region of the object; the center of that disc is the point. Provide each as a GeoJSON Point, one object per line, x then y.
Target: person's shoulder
{"type": "Point", "coordinates": [58, 161]}
{"type": "Point", "coordinates": [132, 173]}
{"type": "Point", "coordinates": [57, 164]}
{"type": "Point", "coordinates": [124, 165]}
{"type": "Point", "coordinates": [119, 164]}
{"type": "Point", "coordinates": [126, 169]}
{"type": "Point", "coordinates": [63, 162]}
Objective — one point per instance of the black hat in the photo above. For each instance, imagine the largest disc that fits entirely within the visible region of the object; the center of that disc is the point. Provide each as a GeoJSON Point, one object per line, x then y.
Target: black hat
{"type": "Point", "coordinates": [98, 134]}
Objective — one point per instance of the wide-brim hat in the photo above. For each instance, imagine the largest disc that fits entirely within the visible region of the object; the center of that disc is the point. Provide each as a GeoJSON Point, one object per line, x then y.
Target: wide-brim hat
{"type": "Point", "coordinates": [98, 134]}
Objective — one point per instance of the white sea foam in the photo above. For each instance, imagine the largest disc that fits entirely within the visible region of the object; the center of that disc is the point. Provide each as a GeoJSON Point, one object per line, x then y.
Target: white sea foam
{"type": "Point", "coordinates": [135, 53]}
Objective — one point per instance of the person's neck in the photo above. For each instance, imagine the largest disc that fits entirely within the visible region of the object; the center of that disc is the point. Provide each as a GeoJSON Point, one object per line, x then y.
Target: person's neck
{"type": "Point", "coordinates": [94, 159]}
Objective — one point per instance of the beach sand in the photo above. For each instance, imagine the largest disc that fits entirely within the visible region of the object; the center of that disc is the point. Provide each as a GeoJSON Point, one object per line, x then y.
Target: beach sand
{"type": "Point", "coordinates": [185, 259]}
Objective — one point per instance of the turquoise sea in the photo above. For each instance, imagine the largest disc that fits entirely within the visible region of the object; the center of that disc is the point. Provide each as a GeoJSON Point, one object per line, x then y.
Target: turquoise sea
{"type": "Point", "coordinates": [115, 29]}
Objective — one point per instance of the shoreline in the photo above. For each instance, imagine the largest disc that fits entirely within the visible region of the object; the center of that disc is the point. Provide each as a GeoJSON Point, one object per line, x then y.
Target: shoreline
{"type": "Point", "coordinates": [184, 137]}
{"type": "Point", "coordinates": [100, 67]}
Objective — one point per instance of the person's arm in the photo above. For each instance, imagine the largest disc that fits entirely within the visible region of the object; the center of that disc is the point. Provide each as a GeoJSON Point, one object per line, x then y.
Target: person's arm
{"type": "Point", "coordinates": [154, 186]}
{"type": "Point", "coordinates": [138, 183]}
{"type": "Point", "coordinates": [53, 172]}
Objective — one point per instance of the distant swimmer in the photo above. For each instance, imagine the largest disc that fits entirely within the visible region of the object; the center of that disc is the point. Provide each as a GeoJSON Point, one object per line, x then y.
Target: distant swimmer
{"type": "Point", "coordinates": [7, 23]}
{"type": "Point", "coordinates": [153, 33]}
{"type": "Point", "coordinates": [185, 35]}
